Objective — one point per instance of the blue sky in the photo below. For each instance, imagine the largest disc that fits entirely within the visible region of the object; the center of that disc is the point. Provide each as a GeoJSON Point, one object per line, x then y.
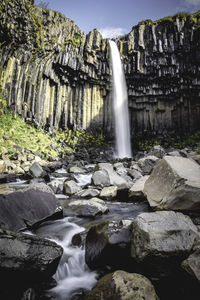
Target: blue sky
{"type": "Point", "coordinates": [116, 17]}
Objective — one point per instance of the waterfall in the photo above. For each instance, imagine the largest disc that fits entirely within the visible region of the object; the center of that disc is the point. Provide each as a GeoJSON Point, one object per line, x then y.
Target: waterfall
{"type": "Point", "coordinates": [72, 273]}
{"type": "Point", "coordinates": [120, 104]}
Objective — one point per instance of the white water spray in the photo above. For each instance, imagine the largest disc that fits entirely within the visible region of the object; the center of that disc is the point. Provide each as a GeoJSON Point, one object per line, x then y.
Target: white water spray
{"type": "Point", "coordinates": [72, 273]}
{"type": "Point", "coordinates": [120, 104]}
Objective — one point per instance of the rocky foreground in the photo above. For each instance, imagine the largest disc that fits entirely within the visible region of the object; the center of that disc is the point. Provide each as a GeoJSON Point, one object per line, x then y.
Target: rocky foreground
{"type": "Point", "coordinates": [152, 244]}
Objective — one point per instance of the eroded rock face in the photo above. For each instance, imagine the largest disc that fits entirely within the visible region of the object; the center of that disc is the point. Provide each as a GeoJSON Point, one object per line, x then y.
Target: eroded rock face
{"type": "Point", "coordinates": [21, 209]}
{"type": "Point", "coordinates": [174, 184]}
{"type": "Point", "coordinates": [123, 286]}
{"type": "Point", "coordinates": [162, 234]}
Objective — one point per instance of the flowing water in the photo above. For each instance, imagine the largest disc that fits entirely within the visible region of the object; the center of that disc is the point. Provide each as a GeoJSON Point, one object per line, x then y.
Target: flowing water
{"type": "Point", "coordinates": [72, 273]}
{"type": "Point", "coordinates": [120, 104]}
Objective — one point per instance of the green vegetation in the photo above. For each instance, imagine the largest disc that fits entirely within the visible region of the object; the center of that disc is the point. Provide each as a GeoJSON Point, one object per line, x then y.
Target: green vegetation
{"type": "Point", "coordinates": [190, 19]}
{"type": "Point", "coordinates": [15, 132]}
{"type": "Point", "coordinates": [177, 142]}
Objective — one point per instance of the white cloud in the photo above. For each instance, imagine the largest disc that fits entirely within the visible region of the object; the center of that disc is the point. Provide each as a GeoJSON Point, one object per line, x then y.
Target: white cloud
{"type": "Point", "coordinates": [112, 32]}
{"type": "Point", "coordinates": [193, 2]}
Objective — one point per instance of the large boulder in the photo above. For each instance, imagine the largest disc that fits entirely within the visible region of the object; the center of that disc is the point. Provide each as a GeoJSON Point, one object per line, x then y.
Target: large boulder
{"type": "Point", "coordinates": [103, 240]}
{"type": "Point", "coordinates": [27, 257]}
{"type": "Point", "coordinates": [23, 208]}
{"type": "Point", "coordinates": [88, 208]}
{"type": "Point", "coordinates": [174, 184]}
{"type": "Point", "coordinates": [162, 234]}
{"type": "Point", "coordinates": [121, 285]}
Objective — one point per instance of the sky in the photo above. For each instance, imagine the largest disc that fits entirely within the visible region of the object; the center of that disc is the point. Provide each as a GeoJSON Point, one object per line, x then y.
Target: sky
{"type": "Point", "coordinates": [117, 17]}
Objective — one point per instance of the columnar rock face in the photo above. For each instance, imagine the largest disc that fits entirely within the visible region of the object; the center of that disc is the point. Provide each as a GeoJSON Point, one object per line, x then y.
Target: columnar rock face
{"type": "Point", "coordinates": [53, 73]}
{"type": "Point", "coordinates": [57, 76]}
{"type": "Point", "coordinates": [161, 61]}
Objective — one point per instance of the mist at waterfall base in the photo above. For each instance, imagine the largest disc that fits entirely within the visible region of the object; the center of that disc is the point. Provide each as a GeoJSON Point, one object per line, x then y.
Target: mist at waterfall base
{"type": "Point", "coordinates": [72, 273]}
{"type": "Point", "coordinates": [120, 104]}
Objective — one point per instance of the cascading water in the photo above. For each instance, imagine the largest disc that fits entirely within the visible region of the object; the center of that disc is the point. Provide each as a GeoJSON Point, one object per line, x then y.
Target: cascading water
{"type": "Point", "coordinates": [120, 104]}
{"type": "Point", "coordinates": [72, 273]}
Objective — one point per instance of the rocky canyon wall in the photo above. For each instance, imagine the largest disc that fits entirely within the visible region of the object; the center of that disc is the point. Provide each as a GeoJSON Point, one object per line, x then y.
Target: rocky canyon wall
{"type": "Point", "coordinates": [57, 76]}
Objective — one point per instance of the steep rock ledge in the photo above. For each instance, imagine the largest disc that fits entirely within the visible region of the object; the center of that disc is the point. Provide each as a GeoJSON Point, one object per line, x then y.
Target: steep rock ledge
{"type": "Point", "coordinates": [57, 76]}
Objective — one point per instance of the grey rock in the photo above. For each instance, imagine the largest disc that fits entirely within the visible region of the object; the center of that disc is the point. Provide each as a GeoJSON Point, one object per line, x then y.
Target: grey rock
{"type": "Point", "coordinates": [23, 208]}
{"type": "Point", "coordinates": [88, 208]}
{"type": "Point", "coordinates": [114, 178]}
{"type": "Point", "coordinates": [103, 240]}
{"type": "Point", "coordinates": [134, 174]}
{"type": "Point", "coordinates": [121, 285]}
{"type": "Point", "coordinates": [76, 170]}
{"type": "Point", "coordinates": [36, 170]}
{"type": "Point", "coordinates": [136, 192]}
{"type": "Point", "coordinates": [174, 184]}
{"type": "Point", "coordinates": [120, 169]}
{"type": "Point", "coordinates": [28, 256]}
{"type": "Point", "coordinates": [162, 234]}
{"type": "Point", "coordinates": [56, 186]}
{"type": "Point", "coordinates": [89, 193]}
{"type": "Point", "coordinates": [157, 151]}
{"type": "Point", "coordinates": [174, 153]}
{"type": "Point", "coordinates": [147, 163]}
{"type": "Point", "coordinates": [192, 264]}
{"type": "Point", "coordinates": [71, 187]}
{"type": "Point", "coordinates": [2, 166]}
{"type": "Point", "coordinates": [101, 178]}
{"type": "Point", "coordinates": [108, 192]}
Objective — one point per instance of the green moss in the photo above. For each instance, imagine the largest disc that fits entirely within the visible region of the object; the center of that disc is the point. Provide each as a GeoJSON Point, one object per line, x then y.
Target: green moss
{"type": "Point", "coordinates": [190, 19]}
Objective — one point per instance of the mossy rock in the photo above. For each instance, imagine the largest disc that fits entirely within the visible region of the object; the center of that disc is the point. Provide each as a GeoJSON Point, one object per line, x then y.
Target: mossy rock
{"type": "Point", "coordinates": [121, 285]}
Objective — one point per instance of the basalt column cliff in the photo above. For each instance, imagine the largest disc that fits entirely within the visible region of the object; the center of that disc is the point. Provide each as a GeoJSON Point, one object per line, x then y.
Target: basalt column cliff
{"type": "Point", "coordinates": [56, 76]}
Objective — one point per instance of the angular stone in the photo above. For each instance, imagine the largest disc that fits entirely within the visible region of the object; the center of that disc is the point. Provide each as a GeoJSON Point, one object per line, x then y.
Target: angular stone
{"type": "Point", "coordinates": [120, 169]}
{"type": "Point", "coordinates": [121, 285]}
{"type": "Point", "coordinates": [162, 234]}
{"type": "Point", "coordinates": [76, 170]}
{"type": "Point", "coordinates": [101, 178]}
{"type": "Point", "coordinates": [88, 208]}
{"type": "Point", "coordinates": [147, 163]}
{"type": "Point", "coordinates": [23, 208]}
{"type": "Point", "coordinates": [27, 256]}
{"type": "Point", "coordinates": [89, 193]}
{"type": "Point", "coordinates": [2, 166]}
{"type": "Point", "coordinates": [108, 192]}
{"type": "Point", "coordinates": [192, 264]}
{"type": "Point", "coordinates": [134, 174]}
{"type": "Point", "coordinates": [36, 170]}
{"type": "Point", "coordinates": [71, 187]}
{"type": "Point", "coordinates": [136, 191]}
{"type": "Point", "coordinates": [174, 184]}
{"type": "Point", "coordinates": [56, 186]}
{"type": "Point", "coordinates": [114, 178]}
{"type": "Point", "coordinates": [157, 151]}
